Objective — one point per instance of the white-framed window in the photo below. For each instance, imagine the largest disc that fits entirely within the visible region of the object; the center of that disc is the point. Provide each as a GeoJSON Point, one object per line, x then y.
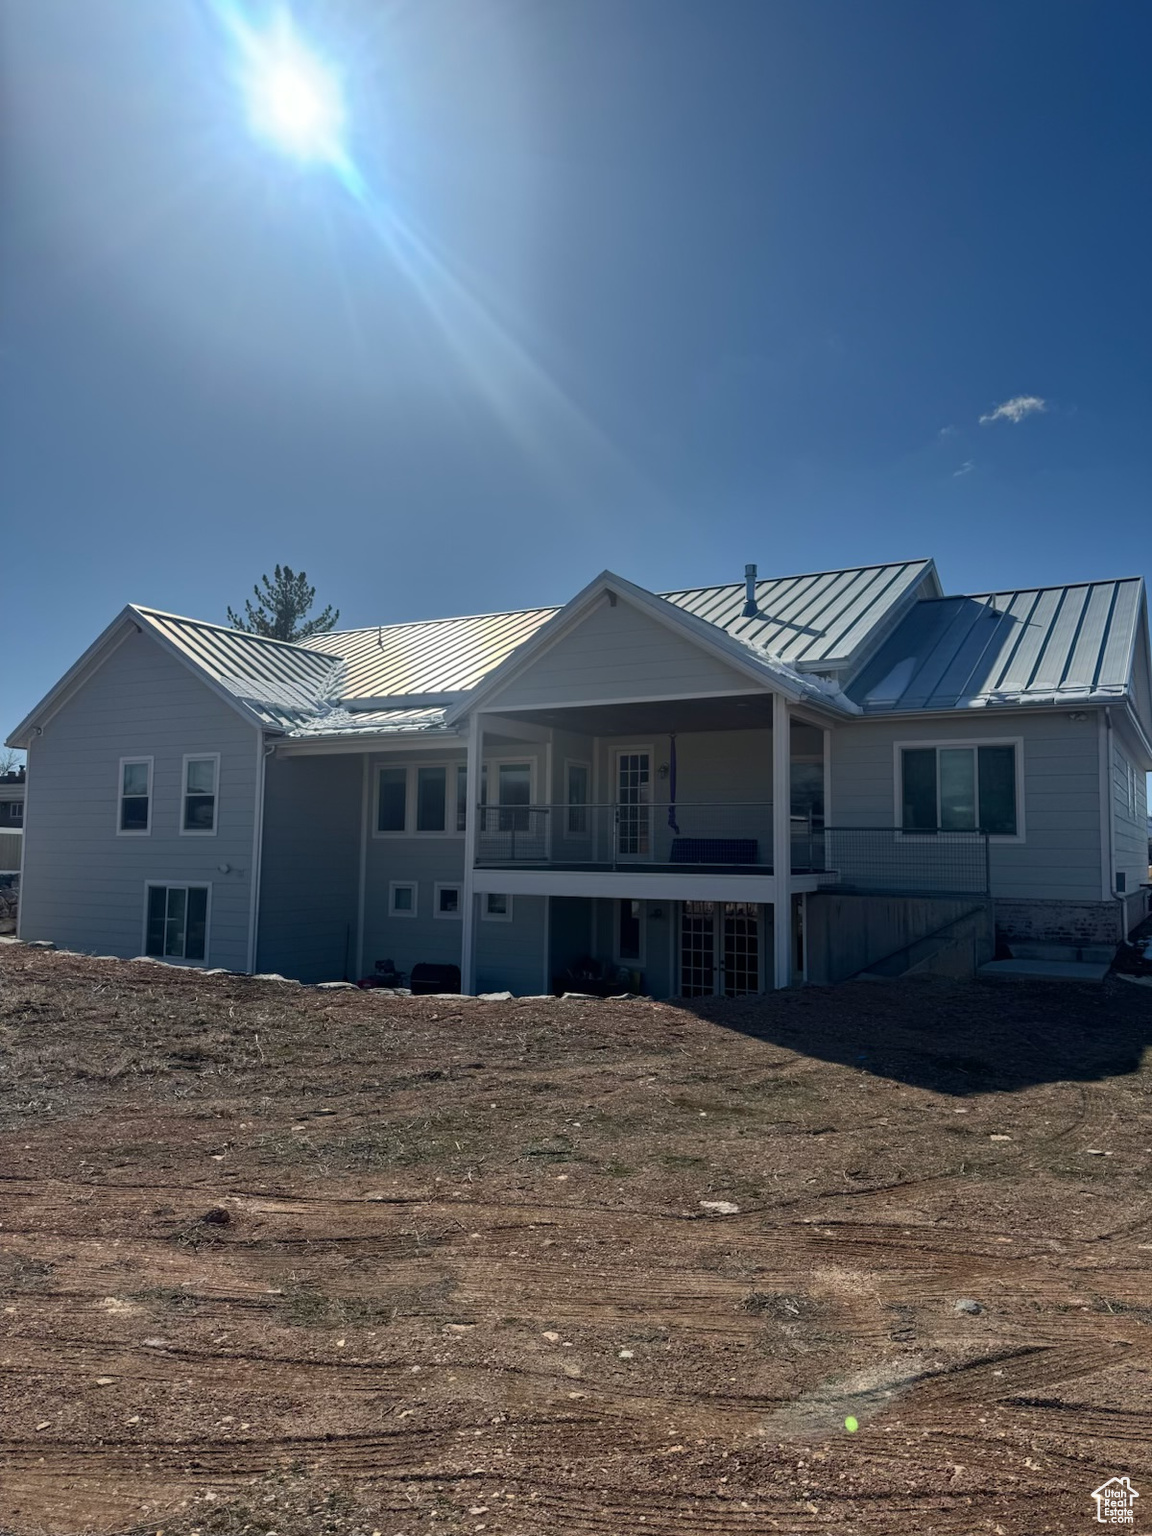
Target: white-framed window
{"type": "Point", "coordinates": [495, 908]}
{"type": "Point", "coordinates": [16, 810]}
{"type": "Point", "coordinates": [134, 797]}
{"type": "Point", "coordinates": [446, 900]}
{"type": "Point", "coordinates": [419, 800]}
{"type": "Point", "coordinates": [176, 920]}
{"type": "Point", "coordinates": [200, 780]}
{"type": "Point", "coordinates": [403, 898]}
{"type": "Point", "coordinates": [577, 787]}
{"type": "Point", "coordinates": [514, 781]}
{"type": "Point", "coordinates": [462, 797]}
{"type": "Point", "coordinates": [961, 786]}
{"type": "Point", "coordinates": [1130, 794]}
{"type": "Point", "coordinates": [630, 931]}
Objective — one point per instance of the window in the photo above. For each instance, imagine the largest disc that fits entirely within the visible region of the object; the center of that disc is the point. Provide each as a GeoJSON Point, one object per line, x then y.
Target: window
{"type": "Point", "coordinates": [392, 800]}
{"type": "Point", "coordinates": [134, 817]}
{"type": "Point", "coordinates": [200, 776]}
{"type": "Point", "coordinates": [431, 788]}
{"type": "Point", "coordinates": [576, 777]}
{"type": "Point", "coordinates": [401, 898]}
{"type": "Point", "coordinates": [447, 901]}
{"type": "Point", "coordinates": [1129, 787]}
{"type": "Point", "coordinates": [960, 788]}
{"type": "Point", "coordinates": [16, 810]}
{"type": "Point", "coordinates": [176, 922]}
{"type": "Point", "coordinates": [495, 908]}
{"type": "Point", "coordinates": [630, 930]}
{"type": "Point", "coordinates": [514, 789]}
{"type": "Point", "coordinates": [461, 799]}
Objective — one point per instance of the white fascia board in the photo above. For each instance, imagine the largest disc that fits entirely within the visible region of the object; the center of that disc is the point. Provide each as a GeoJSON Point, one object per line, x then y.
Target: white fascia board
{"type": "Point", "coordinates": [77, 674]}
{"type": "Point", "coordinates": [367, 741]}
{"type": "Point", "coordinates": [646, 885]}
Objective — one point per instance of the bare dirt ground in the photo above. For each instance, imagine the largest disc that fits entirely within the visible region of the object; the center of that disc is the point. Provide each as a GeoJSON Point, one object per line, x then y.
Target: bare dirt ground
{"type": "Point", "coordinates": [283, 1260]}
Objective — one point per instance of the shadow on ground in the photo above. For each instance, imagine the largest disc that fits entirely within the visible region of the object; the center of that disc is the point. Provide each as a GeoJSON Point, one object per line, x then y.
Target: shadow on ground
{"type": "Point", "coordinates": [955, 1037]}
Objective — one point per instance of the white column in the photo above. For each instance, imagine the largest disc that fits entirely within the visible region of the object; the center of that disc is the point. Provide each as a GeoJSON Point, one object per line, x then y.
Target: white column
{"type": "Point", "coordinates": [782, 838]}
{"type": "Point", "coordinates": [471, 831]}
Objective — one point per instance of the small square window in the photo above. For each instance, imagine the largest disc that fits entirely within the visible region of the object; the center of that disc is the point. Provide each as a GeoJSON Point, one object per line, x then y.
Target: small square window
{"type": "Point", "coordinates": [447, 901]}
{"type": "Point", "coordinates": [496, 908]}
{"type": "Point", "coordinates": [401, 898]}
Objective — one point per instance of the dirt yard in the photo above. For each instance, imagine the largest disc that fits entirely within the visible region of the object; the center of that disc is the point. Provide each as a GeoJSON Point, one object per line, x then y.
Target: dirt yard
{"type": "Point", "coordinates": [280, 1260]}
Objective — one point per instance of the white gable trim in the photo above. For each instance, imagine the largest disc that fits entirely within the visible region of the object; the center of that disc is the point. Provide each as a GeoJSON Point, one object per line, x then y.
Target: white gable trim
{"type": "Point", "coordinates": [129, 620]}
{"type": "Point", "coordinates": [607, 584]}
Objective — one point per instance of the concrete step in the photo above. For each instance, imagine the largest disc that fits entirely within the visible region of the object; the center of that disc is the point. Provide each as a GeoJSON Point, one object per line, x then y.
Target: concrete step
{"type": "Point", "coordinates": [1061, 970]}
{"type": "Point", "coordinates": [1092, 954]}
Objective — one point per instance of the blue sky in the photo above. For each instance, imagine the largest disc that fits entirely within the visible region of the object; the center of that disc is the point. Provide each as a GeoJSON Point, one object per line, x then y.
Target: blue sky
{"type": "Point", "coordinates": [660, 285]}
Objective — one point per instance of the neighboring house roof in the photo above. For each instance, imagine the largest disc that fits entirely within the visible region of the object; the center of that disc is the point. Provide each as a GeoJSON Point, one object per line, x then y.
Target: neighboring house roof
{"type": "Point", "coordinates": [1047, 644]}
{"type": "Point", "coordinates": [817, 622]}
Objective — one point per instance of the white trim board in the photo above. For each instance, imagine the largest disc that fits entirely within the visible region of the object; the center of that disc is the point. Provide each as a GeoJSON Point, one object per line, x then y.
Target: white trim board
{"type": "Point", "coordinates": [647, 886]}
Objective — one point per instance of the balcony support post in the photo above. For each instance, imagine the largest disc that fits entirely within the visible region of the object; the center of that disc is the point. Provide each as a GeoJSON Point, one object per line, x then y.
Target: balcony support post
{"type": "Point", "coordinates": [471, 842]}
{"type": "Point", "coordinates": [782, 839]}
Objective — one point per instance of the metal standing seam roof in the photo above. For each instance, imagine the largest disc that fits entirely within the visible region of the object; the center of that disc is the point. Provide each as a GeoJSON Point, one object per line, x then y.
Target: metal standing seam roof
{"type": "Point", "coordinates": [811, 622]}
{"type": "Point", "coordinates": [1044, 643]}
{"type": "Point", "coordinates": [432, 656]}
{"type": "Point", "coordinates": [283, 683]}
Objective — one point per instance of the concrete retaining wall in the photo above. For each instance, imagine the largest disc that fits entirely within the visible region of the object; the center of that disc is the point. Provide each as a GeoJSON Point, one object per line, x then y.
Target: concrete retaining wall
{"type": "Point", "coordinates": [848, 933]}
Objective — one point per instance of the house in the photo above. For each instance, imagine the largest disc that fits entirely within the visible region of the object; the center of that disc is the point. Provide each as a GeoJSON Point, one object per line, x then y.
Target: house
{"type": "Point", "coordinates": [718, 789]}
{"type": "Point", "coordinates": [12, 785]}
{"type": "Point", "coordinates": [11, 820]}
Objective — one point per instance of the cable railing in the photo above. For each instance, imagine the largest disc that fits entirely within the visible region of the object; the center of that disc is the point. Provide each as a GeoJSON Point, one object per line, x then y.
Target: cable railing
{"type": "Point", "coordinates": [691, 834]}
{"type": "Point", "coordinates": [731, 836]}
{"type": "Point", "coordinates": [942, 860]}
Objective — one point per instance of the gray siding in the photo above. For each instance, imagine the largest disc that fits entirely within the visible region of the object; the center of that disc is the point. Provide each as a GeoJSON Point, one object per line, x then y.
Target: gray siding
{"type": "Point", "coordinates": [310, 873]}
{"type": "Point", "coordinates": [1129, 832]}
{"type": "Point", "coordinates": [425, 858]}
{"type": "Point", "coordinates": [1060, 856]}
{"type": "Point", "coordinates": [619, 653]}
{"type": "Point", "coordinates": [512, 956]}
{"type": "Point", "coordinates": [84, 886]}
{"type": "Point", "coordinates": [656, 966]}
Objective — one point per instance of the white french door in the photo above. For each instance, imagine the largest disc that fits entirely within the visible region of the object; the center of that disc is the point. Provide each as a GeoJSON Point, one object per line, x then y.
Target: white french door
{"type": "Point", "coordinates": [721, 952]}
{"type": "Point", "coordinates": [633, 803]}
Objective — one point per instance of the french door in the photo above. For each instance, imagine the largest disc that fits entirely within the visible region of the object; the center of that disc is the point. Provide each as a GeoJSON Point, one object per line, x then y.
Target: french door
{"type": "Point", "coordinates": [720, 948]}
{"type": "Point", "coordinates": [633, 804]}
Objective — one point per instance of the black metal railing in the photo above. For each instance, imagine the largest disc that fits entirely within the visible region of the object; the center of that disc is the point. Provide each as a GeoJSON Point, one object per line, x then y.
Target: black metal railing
{"type": "Point", "coordinates": [890, 859]}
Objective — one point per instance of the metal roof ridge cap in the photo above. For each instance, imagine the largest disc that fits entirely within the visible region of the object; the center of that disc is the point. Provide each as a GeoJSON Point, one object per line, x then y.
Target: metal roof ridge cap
{"type": "Point", "coordinates": [840, 570]}
{"type": "Point", "coordinates": [450, 618]}
{"type": "Point", "coordinates": [225, 629]}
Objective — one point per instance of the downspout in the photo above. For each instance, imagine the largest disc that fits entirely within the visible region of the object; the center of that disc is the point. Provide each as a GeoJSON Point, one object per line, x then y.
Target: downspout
{"type": "Point", "coordinates": [1111, 788]}
{"type": "Point", "coordinates": [264, 750]}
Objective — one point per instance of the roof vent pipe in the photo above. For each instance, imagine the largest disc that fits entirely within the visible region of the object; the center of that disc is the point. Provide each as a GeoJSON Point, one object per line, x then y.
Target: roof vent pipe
{"type": "Point", "coordinates": [750, 608]}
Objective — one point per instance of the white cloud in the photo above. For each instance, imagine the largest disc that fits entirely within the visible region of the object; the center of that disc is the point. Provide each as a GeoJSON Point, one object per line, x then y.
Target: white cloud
{"type": "Point", "coordinates": [948, 431]}
{"type": "Point", "coordinates": [1015, 409]}
{"type": "Point", "coordinates": [965, 469]}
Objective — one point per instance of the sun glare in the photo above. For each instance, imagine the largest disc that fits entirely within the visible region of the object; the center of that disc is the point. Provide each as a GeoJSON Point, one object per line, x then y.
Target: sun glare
{"type": "Point", "coordinates": [294, 99]}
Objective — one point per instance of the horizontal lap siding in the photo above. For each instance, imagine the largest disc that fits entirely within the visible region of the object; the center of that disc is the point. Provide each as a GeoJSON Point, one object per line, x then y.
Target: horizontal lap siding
{"type": "Point", "coordinates": [1129, 832]}
{"type": "Point", "coordinates": [510, 957]}
{"type": "Point", "coordinates": [423, 859]}
{"type": "Point", "coordinates": [310, 875]}
{"type": "Point", "coordinates": [84, 886]}
{"type": "Point", "coordinates": [619, 653]}
{"type": "Point", "coordinates": [1061, 854]}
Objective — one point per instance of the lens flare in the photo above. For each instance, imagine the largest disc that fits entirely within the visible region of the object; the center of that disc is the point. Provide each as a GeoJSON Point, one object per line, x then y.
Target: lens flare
{"type": "Point", "coordinates": [294, 99]}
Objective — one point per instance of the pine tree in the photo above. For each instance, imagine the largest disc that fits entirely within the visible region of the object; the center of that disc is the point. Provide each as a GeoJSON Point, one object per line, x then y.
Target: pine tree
{"type": "Point", "coordinates": [280, 611]}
